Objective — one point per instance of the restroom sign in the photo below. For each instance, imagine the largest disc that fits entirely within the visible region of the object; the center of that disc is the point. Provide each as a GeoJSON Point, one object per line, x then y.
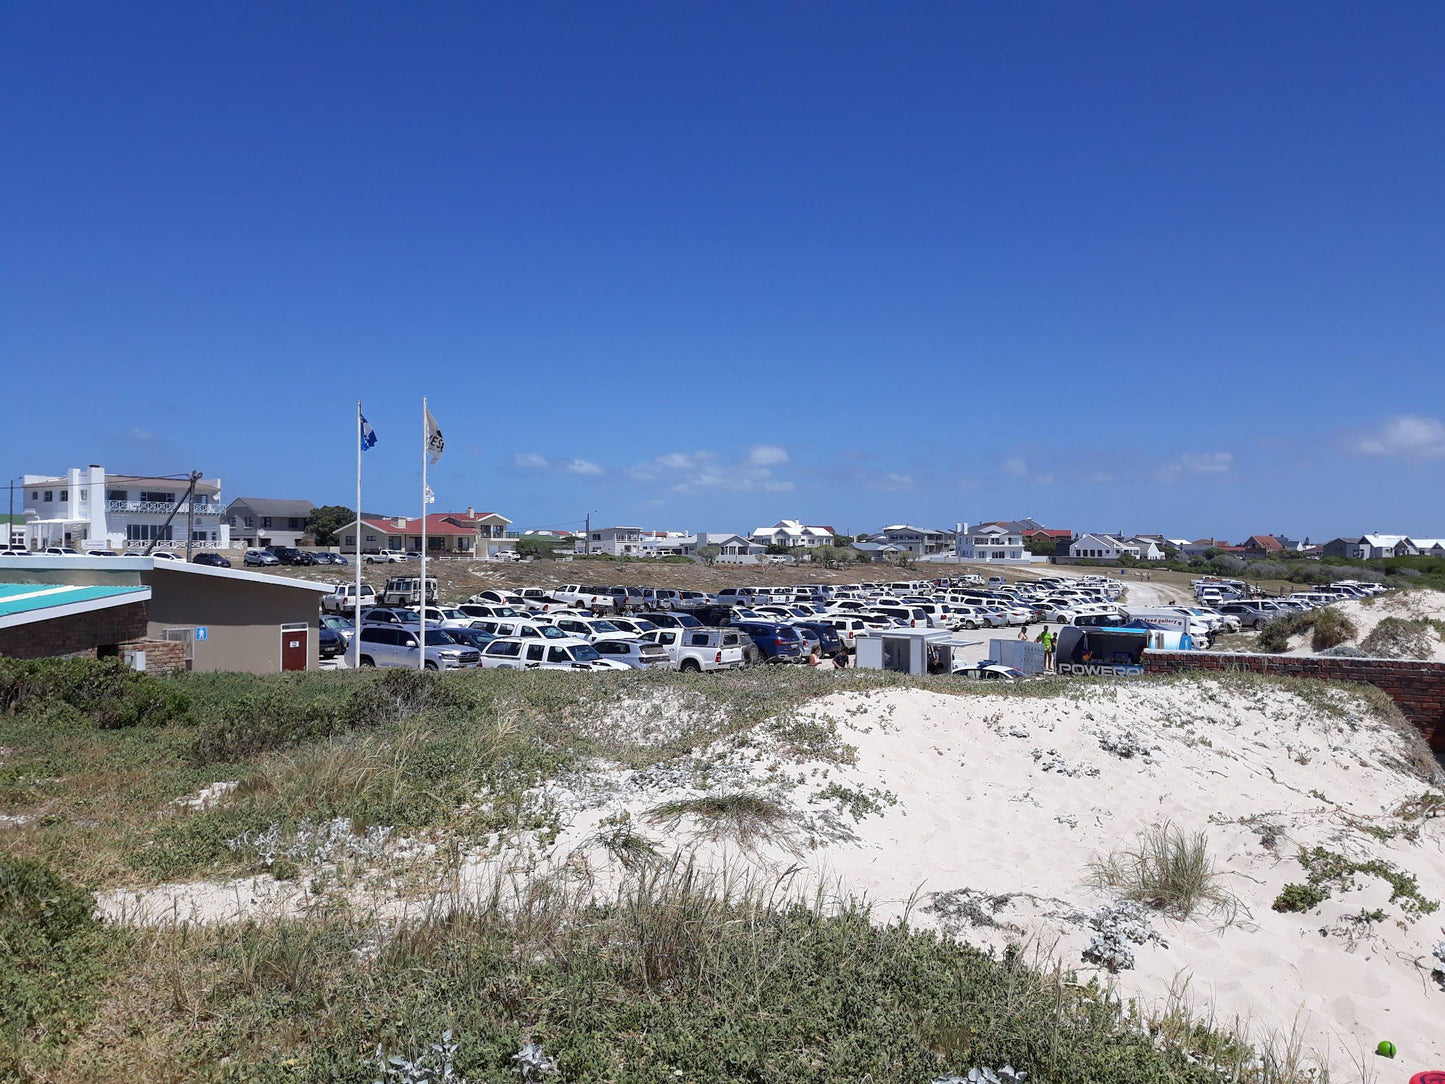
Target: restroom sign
{"type": "Point", "coordinates": [202, 632]}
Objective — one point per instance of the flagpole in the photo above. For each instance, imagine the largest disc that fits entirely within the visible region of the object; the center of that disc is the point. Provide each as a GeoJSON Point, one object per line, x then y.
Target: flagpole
{"type": "Point", "coordinates": [421, 655]}
{"type": "Point", "coordinates": [356, 556]}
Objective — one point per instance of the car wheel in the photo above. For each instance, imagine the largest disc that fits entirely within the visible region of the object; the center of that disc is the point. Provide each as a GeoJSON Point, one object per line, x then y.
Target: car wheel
{"type": "Point", "coordinates": [690, 666]}
{"type": "Point", "coordinates": [367, 660]}
{"type": "Point", "coordinates": [429, 665]}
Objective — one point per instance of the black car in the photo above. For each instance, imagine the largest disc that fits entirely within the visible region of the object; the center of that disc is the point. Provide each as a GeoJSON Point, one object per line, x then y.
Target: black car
{"type": "Point", "coordinates": [827, 635]}
{"type": "Point", "coordinates": [213, 559]}
{"type": "Point", "coordinates": [670, 620]}
{"type": "Point", "coordinates": [477, 638]}
{"type": "Point", "coordinates": [330, 643]}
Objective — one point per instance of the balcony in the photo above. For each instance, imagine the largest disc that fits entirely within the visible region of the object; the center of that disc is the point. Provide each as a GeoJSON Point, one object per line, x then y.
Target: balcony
{"type": "Point", "coordinates": [163, 508]}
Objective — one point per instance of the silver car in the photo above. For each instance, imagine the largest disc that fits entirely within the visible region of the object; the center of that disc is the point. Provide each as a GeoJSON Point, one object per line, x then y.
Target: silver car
{"type": "Point", "coordinates": [398, 646]}
{"type": "Point", "coordinates": [637, 655]}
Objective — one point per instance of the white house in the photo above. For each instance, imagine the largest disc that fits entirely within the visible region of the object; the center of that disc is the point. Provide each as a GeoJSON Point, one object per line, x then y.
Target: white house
{"type": "Point", "coordinates": [614, 541]}
{"type": "Point", "coordinates": [990, 542]}
{"type": "Point", "coordinates": [733, 549]}
{"type": "Point", "coordinates": [1149, 549]}
{"type": "Point", "coordinates": [1103, 547]}
{"type": "Point", "coordinates": [268, 521]}
{"type": "Point", "coordinates": [920, 540]}
{"type": "Point", "coordinates": [89, 509]}
{"type": "Point", "coordinates": [791, 533]}
{"type": "Point", "coordinates": [1429, 547]}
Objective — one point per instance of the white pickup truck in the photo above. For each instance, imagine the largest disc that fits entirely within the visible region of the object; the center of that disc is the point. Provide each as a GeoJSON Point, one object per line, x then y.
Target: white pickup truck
{"type": "Point", "coordinates": [342, 599]}
{"type": "Point", "coordinates": [585, 598]}
{"type": "Point", "coordinates": [693, 650]}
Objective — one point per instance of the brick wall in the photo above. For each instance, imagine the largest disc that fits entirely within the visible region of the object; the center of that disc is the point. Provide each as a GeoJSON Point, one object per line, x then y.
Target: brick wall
{"type": "Point", "coordinates": [1417, 687]}
{"type": "Point", "coordinates": [78, 635]}
{"type": "Point", "coordinates": [162, 656]}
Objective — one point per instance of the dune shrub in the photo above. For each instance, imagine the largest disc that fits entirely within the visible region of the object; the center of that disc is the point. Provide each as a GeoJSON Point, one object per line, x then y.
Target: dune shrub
{"type": "Point", "coordinates": [104, 691]}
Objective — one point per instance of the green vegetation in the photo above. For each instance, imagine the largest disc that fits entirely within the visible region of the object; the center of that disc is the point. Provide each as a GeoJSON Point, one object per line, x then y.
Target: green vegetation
{"type": "Point", "coordinates": [126, 780]}
{"type": "Point", "coordinates": [1402, 638]}
{"type": "Point", "coordinates": [1328, 628]}
{"type": "Point", "coordinates": [1166, 870]}
{"type": "Point", "coordinates": [1326, 872]}
{"type": "Point", "coordinates": [324, 524]}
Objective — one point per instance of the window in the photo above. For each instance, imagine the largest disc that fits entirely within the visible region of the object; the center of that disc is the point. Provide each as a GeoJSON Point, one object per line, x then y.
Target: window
{"type": "Point", "coordinates": [64, 496]}
{"type": "Point", "coordinates": [347, 540]}
{"type": "Point", "coordinates": [265, 523]}
{"type": "Point", "coordinates": [534, 652]}
{"type": "Point", "coordinates": [49, 495]}
{"type": "Point", "coordinates": [117, 495]}
{"type": "Point", "coordinates": [250, 522]}
{"type": "Point", "coordinates": [35, 495]}
{"type": "Point", "coordinates": [158, 497]}
{"type": "Point", "coordinates": [294, 524]}
{"type": "Point", "coordinates": [558, 654]}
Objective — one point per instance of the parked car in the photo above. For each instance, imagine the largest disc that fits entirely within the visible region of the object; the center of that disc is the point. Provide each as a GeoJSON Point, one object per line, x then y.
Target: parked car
{"type": "Point", "coordinates": [259, 558]}
{"type": "Point", "coordinates": [477, 638]}
{"type": "Point", "coordinates": [167, 555]}
{"type": "Point", "coordinates": [635, 626]}
{"type": "Point", "coordinates": [989, 671]}
{"type": "Point", "coordinates": [342, 598]}
{"type": "Point", "coordinates": [61, 551]}
{"type": "Point", "coordinates": [391, 645]}
{"type": "Point", "coordinates": [385, 557]}
{"type": "Point", "coordinates": [591, 629]}
{"type": "Point", "coordinates": [215, 560]}
{"type": "Point", "coordinates": [776, 642]}
{"type": "Point", "coordinates": [407, 591]}
{"type": "Point", "coordinates": [635, 654]}
{"type": "Point", "coordinates": [337, 624]}
{"type": "Point", "coordinates": [670, 620]}
{"type": "Point", "coordinates": [290, 555]}
{"type": "Point", "coordinates": [587, 598]}
{"type": "Point", "coordinates": [567, 653]}
{"type": "Point", "coordinates": [829, 643]}
{"type": "Point", "coordinates": [330, 643]}
{"type": "Point", "coordinates": [390, 615]}
{"type": "Point", "coordinates": [692, 650]}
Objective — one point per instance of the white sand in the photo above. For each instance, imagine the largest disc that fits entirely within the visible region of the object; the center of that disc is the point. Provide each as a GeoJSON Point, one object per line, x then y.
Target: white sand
{"type": "Point", "coordinates": [1366, 614]}
{"type": "Point", "coordinates": [973, 808]}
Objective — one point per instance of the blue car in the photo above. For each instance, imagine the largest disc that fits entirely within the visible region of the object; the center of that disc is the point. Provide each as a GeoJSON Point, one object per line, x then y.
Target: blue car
{"type": "Point", "coordinates": [775, 642]}
{"type": "Point", "coordinates": [827, 635]}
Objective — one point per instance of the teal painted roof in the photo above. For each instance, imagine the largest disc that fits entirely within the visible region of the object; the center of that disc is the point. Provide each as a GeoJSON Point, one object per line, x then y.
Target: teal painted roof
{"type": "Point", "coordinates": [20, 598]}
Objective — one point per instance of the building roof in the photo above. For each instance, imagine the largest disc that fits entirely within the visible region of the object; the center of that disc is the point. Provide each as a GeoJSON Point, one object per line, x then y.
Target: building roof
{"type": "Point", "coordinates": [436, 524]}
{"type": "Point", "coordinates": [1048, 532]}
{"type": "Point", "coordinates": [1388, 540]}
{"type": "Point", "coordinates": [275, 506]}
{"type": "Point", "coordinates": [472, 516]}
{"type": "Point", "coordinates": [24, 603]}
{"type": "Point", "coordinates": [1264, 541]}
{"type": "Point", "coordinates": [138, 565]}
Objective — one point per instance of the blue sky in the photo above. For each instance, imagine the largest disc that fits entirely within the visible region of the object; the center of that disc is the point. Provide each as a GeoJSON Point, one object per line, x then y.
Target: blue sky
{"type": "Point", "coordinates": [703, 266]}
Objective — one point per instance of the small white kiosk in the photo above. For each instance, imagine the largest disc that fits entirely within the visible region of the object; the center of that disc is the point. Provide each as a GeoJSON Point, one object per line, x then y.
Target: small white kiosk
{"type": "Point", "coordinates": [906, 651]}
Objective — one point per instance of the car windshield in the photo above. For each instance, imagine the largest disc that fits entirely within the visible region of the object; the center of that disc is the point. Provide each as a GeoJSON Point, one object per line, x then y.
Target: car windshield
{"type": "Point", "coordinates": [643, 625]}
{"type": "Point", "coordinates": [453, 615]}
{"type": "Point", "coordinates": [552, 632]}
{"type": "Point", "coordinates": [439, 638]}
{"type": "Point", "coordinates": [408, 617]}
{"type": "Point", "coordinates": [586, 653]}
{"type": "Point", "coordinates": [604, 626]}
{"type": "Point", "coordinates": [687, 621]}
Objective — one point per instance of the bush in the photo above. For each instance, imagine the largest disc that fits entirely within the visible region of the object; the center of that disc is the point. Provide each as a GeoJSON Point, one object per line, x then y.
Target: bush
{"type": "Point", "coordinates": [1400, 638]}
{"type": "Point", "coordinates": [1331, 628]}
{"type": "Point", "coordinates": [1300, 898]}
{"type": "Point", "coordinates": [107, 693]}
{"type": "Point", "coordinates": [1275, 635]}
{"type": "Point", "coordinates": [50, 958]}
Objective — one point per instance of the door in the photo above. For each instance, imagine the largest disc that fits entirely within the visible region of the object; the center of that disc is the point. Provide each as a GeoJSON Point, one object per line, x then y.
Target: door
{"type": "Point", "coordinates": [295, 647]}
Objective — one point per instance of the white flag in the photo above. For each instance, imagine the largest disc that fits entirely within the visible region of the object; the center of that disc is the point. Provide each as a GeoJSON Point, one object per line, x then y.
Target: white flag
{"type": "Point", "coordinates": [431, 498]}
{"type": "Point", "coordinates": [434, 442]}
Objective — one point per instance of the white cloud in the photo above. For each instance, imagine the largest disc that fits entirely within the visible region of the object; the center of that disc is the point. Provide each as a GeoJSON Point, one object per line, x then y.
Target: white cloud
{"type": "Point", "coordinates": [1195, 464]}
{"type": "Point", "coordinates": [1407, 435]}
{"type": "Point", "coordinates": [1015, 466]}
{"type": "Point", "coordinates": [1102, 477]}
{"type": "Point", "coordinates": [767, 455]}
{"type": "Point", "coordinates": [530, 461]}
{"type": "Point", "coordinates": [584, 468]}
{"type": "Point", "coordinates": [676, 461]}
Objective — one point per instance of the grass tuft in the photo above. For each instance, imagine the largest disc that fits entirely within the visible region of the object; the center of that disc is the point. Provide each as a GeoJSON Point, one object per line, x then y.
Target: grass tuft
{"type": "Point", "coordinates": [1166, 870]}
{"type": "Point", "coordinates": [744, 817]}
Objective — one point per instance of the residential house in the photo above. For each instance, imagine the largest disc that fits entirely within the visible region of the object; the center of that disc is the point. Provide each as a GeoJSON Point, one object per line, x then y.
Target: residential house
{"type": "Point", "coordinates": [1262, 545]}
{"type": "Point", "coordinates": [923, 541]}
{"type": "Point", "coordinates": [1369, 546]}
{"type": "Point", "coordinates": [1102, 547]}
{"type": "Point", "coordinates": [1429, 547]}
{"type": "Point", "coordinates": [990, 542]}
{"type": "Point", "coordinates": [1150, 547]}
{"type": "Point", "coordinates": [1200, 545]}
{"type": "Point", "coordinates": [492, 529]}
{"type": "Point", "coordinates": [14, 531]}
{"type": "Point", "coordinates": [733, 549]}
{"type": "Point", "coordinates": [613, 541]}
{"type": "Point", "coordinates": [267, 521]}
{"type": "Point", "coordinates": [878, 551]}
{"type": "Point", "coordinates": [793, 533]}
{"type": "Point", "coordinates": [443, 536]}
{"type": "Point", "coordinates": [90, 509]}
{"type": "Point", "coordinates": [668, 544]}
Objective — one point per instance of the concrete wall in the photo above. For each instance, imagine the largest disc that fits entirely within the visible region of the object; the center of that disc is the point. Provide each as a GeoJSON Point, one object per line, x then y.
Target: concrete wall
{"type": "Point", "coordinates": [75, 636]}
{"type": "Point", "coordinates": [1417, 687]}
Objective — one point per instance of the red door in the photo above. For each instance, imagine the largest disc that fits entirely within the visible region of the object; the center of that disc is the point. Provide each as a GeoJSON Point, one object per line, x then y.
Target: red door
{"type": "Point", "coordinates": [294, 647]}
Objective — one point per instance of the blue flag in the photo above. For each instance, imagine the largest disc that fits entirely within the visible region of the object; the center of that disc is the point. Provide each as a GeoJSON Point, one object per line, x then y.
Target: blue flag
{"type": "Point", "coordinates": [368, 434]}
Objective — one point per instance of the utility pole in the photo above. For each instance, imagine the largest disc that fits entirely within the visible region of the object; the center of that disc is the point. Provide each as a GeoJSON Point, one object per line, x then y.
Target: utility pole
{"type": "Point", "coordinates": [191, 513]}
{"type": "Point", "coordinates": [587, 536]}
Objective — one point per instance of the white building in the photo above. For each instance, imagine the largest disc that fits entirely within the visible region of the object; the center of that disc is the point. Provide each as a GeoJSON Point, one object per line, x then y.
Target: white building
{"type": "Point", "coordinates": [1101, 547]}
{"type": "Point", "coordinates": [614, 541]}
{"type": "Point", "coordinates": [733, 549]}
{"type": "Point", "coordinates": [89, 509]}
{"type": "Point", "coordinates": [793, 533]}
{"type": "Point", "coordinates": [990, 542]}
